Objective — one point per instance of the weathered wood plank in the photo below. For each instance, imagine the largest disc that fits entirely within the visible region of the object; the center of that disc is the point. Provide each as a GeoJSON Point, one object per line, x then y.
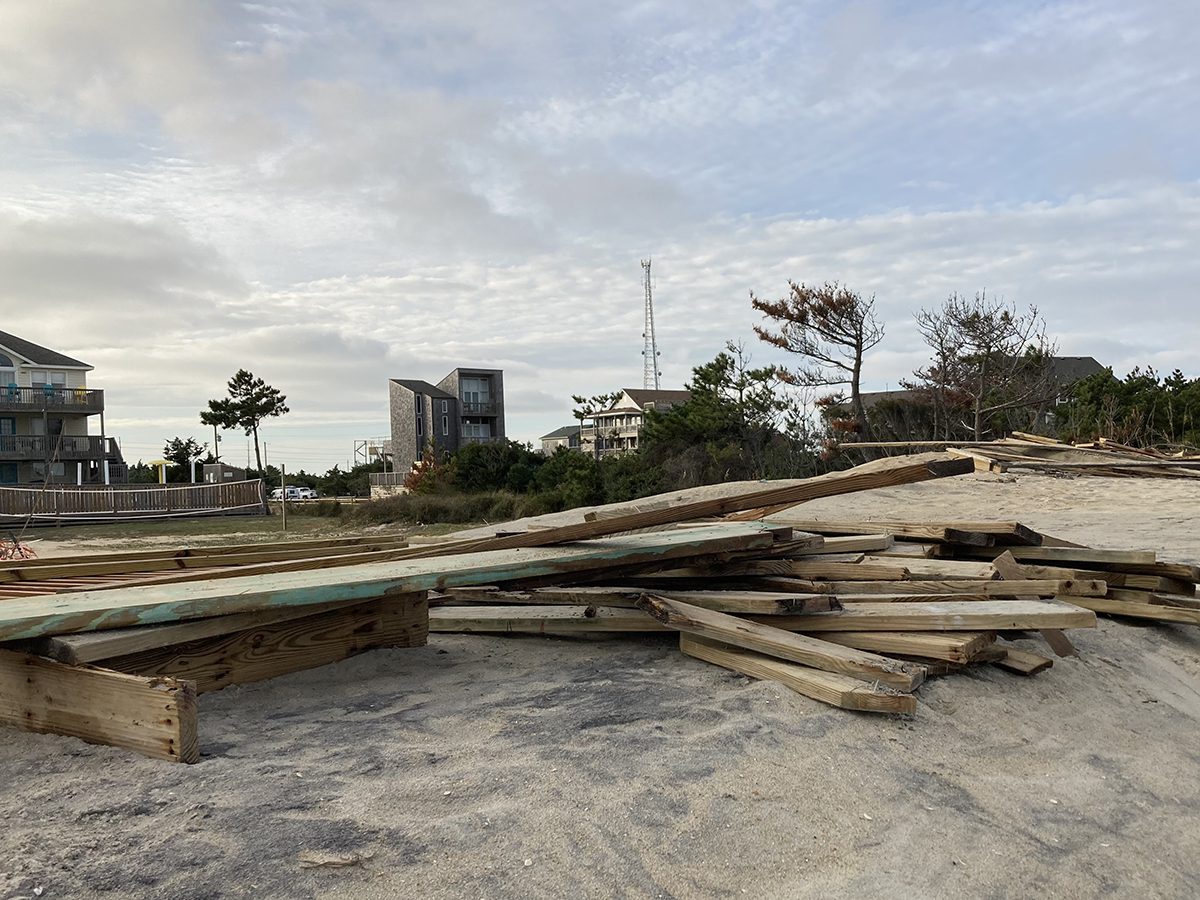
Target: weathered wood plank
{"type": "Point", "coordinates": [797, 648]}
{"type": "Point", "coordinates": [761, 603]}
{"type": "Point", "coordinates": [1023, 662]}
{"type": "Point", "coordinates": [277, 648]}
{"type": "Point", "coordinates": [985, 615]}
{"type": "Point", "coordinates": [153, 716]}
{"type": "Point", "coordinates": [828, 687]}
{"type": "Point", "coordinates": [952, 646]}
{"type": "Point", "coordinates": [91, 646]}
{"type": "Point", "coordinates": [540, 620]}
{"type": "Point", "coordinates": [124, 607]}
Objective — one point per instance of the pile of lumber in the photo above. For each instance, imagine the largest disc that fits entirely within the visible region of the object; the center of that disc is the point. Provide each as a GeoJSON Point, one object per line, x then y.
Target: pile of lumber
{"type": "Point", "coordinates": [858, 615]}
{"type": "Point", "coordinates": [1035, 453]}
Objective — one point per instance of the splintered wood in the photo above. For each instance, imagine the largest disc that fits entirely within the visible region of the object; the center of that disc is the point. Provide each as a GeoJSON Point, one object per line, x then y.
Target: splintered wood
{"type": "Point", "coordinates": [855, 614]}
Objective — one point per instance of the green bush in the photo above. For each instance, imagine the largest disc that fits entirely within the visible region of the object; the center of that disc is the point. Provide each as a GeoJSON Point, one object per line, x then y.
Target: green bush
{"type": "Point", "coordinates": [430, 509]}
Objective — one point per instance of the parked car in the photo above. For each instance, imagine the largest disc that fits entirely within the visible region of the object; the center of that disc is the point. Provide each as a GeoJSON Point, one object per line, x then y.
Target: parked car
{"type": "Point", "coordinates": [307, 493]}
{"type": "Point", "coordinates": [293, 493]}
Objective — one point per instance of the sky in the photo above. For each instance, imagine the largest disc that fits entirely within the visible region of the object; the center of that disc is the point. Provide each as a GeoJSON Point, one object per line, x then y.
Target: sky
{"type": "Point", "coordinates": [331, 194]}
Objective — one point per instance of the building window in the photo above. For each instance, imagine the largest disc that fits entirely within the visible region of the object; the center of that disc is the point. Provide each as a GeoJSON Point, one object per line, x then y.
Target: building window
{"type": "Point", "coordinates": [445, 423]}
{"type": "Point", "coordinates": [420, 403]}
{"type": "Point", "coordinates": [420, 427]}
{"type": "Point", "coordinates": [445, 406]}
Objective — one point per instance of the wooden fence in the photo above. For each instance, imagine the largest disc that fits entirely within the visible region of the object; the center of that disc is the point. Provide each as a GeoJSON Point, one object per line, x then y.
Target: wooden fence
{"type": "Point", "coordinates": [65, 504]}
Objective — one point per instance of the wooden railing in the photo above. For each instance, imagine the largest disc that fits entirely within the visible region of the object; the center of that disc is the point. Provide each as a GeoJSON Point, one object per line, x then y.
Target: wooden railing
{"type": "Point", "coordinates": [479, 408]}
{"type": "Point", "coordinates": [60, 504]}
{"type": "Point", "coordinates": [53, 399]}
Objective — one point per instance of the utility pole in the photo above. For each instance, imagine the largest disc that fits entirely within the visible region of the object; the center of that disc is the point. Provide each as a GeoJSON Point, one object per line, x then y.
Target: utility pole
{"type": "Point", "coordinates": [283, 492]}
{"type": "Point", "coordinates": [650, 354]}
{"type": "Point", "coordinates": [216, 445]}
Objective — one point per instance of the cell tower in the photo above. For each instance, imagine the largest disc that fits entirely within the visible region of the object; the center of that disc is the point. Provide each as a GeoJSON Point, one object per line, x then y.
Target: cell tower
{"type": "Point", "coordinates": [650, 354]}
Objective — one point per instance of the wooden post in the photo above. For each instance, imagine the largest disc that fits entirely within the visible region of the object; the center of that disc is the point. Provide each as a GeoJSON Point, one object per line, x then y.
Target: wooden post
{"type": "Point", "coordinates": [282, 491]}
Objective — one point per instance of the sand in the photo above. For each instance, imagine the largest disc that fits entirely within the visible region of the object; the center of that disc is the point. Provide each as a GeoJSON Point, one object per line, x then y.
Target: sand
{"type": "Point", "coordinates": [528, 767]}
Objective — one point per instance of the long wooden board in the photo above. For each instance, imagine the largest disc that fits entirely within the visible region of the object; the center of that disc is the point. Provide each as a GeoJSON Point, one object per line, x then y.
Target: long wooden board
{"type": "Point", "coordinates": [797, 648]}
{"type": "Point", "coordinates": [123, 607]}
{"type": "Point", "coordinates": [985, 615]}
{"type": "Point", "coordinates": [154, 716]}
{"type": "Point", "coordinates": [951, 646]}
{"type": "Point", "coordinates": [828, 687]}
{"type": "Point", "coordinates": [761, 603]}
{"type": "Point", "coordinates": [281, 647]}
{"type": "Point", "coordinates": [540, 620]}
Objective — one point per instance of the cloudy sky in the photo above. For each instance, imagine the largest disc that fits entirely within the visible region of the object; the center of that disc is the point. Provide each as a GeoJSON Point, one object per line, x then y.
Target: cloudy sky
{"type": "Point", "coordinates": [332, 194]}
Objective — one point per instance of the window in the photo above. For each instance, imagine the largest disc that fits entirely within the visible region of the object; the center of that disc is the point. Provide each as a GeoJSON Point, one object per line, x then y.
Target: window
{"type": "Point", "coordinates": [420, 427]}
{"type": "Point", "coordinates": [445, 406]}
{"type": "Point", "coordinates": [420, 403]}
{"type": "Point", "coordinates": [445, 423]}
{"type": "Point", "coordinates": [8, 371]}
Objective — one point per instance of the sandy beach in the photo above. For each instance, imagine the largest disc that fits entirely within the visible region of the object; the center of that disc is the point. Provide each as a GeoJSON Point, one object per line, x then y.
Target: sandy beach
{"type": "Point", "coordinates": [488, 767]}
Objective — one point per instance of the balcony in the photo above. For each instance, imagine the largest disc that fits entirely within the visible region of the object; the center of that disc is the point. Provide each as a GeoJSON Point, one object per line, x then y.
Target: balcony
{"type": "Point", "coordinates": [478, 439]}
{"type": "Point", "coordinates": [50, 399]}
{"type": "Point", "coordinates": [479, 408]}
{"type": "Point", "coordinates": [37, 447]}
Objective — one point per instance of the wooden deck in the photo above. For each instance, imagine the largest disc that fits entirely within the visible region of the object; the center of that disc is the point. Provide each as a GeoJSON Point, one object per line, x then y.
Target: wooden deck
{"type": "Point", "coordinates": [54, 504]}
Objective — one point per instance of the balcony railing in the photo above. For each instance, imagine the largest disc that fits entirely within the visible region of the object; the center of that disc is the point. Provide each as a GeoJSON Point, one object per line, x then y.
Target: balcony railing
{"type": "Point", "coordinates": [54, 399]}
{"type": "Point", "coordinates": [59, 448]}
{"type": "Point", "coordinates": [484, 408]}
{"type": "Point", "coordinates": [478, 439]}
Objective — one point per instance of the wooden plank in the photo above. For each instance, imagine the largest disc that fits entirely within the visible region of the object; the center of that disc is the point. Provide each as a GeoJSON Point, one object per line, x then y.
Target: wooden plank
{"type": "Point", "coordinates": [1008, 569]}
{"type": "Point", "coordinates": [861, 478]}
{"type": "Point", "coordinates": [1069, 555]}
{"type": "Point", "coordinates": [1023, 662]}
{"type": "Point", "coordinates": [960, 532]}
{"type": "Point", "coordinates": [205, 551]}
{"type": "Point", "coordinates": [797, 648]}
{"type": "Point", "coordinates": [986, 615]}
{"type": "Point", "coordinates": [828, 687]}
{"type": "Point", "coordinates": [540, 620]}
{"type": "Point", "coordinates": [124, 607]}
{"type": "Point", "coordinates": [762, 603]}
{"type": "Point", "coordinates": [936, 568]}
{"type": "Point", "coordinates": [1038, 587]}
{"type": "Point", "coordinates": [275, 649]}
{"type": "Point", "coordinates": [91, 646]}
{"type": "Point", "coordinates": [851, 543]}
{"type": "Point", "coordinates": [1140, 610]}
{"type": "Point", "coordinates": [153, 716]}
{"type": "Point", "coordinates": [949, 616]}
{"type": "Point", "coordinates": [951, 646]}
{"type": "Point", "coordinates": [48, 570]}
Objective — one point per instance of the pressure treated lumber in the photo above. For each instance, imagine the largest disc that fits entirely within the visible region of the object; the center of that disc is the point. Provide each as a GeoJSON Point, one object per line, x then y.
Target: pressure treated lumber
{"type": "Point", "coordinates": [828, 687]}
{"type": "Point", "coordinates": [762, 603]}
{"type": "Point", "coordinates": [1071, 556]}
{"type": "Point", "coordinates": [1023, 662]}
{"type": "Point", "coordinates": [1009, 570]}
{"type": "Point", "coordinates": [906, 590]}
{"type": "Point", "coordinates": [959, 532]}
{"type": "Point", "coordinates": [986, 615]}
{"type": "Point", "coordinates": [123, 607]}
{"type": "Point", "coordinates": [168, 563]}
{"type": "Point", "coordinates": [951, 646]}
{"type": "Point", "coordinates": [779, 644]}
{"type": "Point", "coordinates": [862, 478]}
{"type": "Point", "coordinates": [153, 716]}
{"type": "Point", "coordinates": [267, 651]}
{"type": "Point", "coordinates": [91, 646]}
{"type": "Point", "coordinates": [540, 620]}
{"type": "Point", "coordinates": [1140, 610]}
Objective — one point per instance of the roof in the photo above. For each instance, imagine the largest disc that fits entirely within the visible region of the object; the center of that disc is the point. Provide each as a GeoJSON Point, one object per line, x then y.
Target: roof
{"type": "Point", "coordinates": [37, 354]}
{"type": "Point", "coordinates": [641, 396]}
{"type": "Point", "coordinates": [565, 432]}
{"type": "Point", "coordinates": [1069, 369]}
{"type": "Point", "coordinates": [423, 387]}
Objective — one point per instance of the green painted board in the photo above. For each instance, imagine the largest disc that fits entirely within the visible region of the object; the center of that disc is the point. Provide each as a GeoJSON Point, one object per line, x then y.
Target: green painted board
{"type": "Point", "coordinates": [124, 607]}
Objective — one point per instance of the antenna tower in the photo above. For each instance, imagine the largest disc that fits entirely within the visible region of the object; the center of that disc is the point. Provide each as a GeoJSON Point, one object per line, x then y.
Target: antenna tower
{"type": "Point", "coordinates": [650, 354]}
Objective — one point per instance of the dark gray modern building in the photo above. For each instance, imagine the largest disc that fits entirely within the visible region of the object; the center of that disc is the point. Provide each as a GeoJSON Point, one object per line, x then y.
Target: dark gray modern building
{"type": "Point", "coordinates": [467, 406]}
